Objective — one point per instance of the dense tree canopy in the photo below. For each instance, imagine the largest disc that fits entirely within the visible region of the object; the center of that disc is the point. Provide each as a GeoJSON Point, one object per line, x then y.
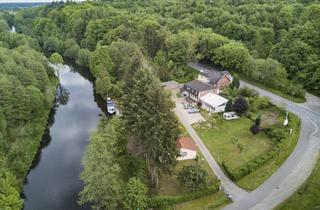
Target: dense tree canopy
{"type": "Point", "coordinates": [231, 34]}
{"type": "Point", "coordinates": [101, 170]}
{"type": "Point", "coordinates": [128, 45]}
{"type": "Point", "coordinates": [26, 93]}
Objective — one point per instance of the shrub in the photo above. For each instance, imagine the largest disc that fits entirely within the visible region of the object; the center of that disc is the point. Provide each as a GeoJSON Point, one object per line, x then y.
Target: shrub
{"type": "Point", "coordinates": [257, 121]}
{"type": "Point", "coordinates": [135, 196]}
{"type": "Point", "coordinates": [277, 134]}
{"type": "Point", "coordinates": [199, 104]}
{"type": "Point", "coordinates": [229, 106]}
{"type": "Point", "coordinates": [247, 92]}
{"type": "Point", "coordinates": [194, 177]}
{"type": "Point", "coordinates": [254, 129]}
{"type": "Point", "coordinates": [240, 105]}
{"type": "Point", "coordinates": [236, 82]}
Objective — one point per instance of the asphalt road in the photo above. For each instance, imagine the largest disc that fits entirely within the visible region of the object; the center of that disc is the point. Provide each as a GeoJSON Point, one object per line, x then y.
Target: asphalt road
{"type": "Point", "coordinates": [296, 169]}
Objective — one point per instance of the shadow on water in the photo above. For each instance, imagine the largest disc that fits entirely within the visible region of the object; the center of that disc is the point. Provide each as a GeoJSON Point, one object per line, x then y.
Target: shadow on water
{"type": "Point", "coordinates": [85, 73]}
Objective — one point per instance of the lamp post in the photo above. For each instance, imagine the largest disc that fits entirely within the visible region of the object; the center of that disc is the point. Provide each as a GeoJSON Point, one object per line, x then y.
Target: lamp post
{"type": "Point", "coordinates": [286, 121]}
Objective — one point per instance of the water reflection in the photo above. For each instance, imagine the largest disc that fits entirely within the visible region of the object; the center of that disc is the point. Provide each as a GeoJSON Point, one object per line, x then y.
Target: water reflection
{"type": "Point", "coordinates": [53, 180]}
{"type": "Point", "coordinates": [62, 95]}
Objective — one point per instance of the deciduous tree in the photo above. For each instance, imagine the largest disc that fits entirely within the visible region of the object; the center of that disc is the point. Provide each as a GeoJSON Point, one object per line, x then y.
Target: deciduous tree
{"type": "Point", "coordinates": [135, 196]}
{"type": "Point", "coordinates": [194, 177]}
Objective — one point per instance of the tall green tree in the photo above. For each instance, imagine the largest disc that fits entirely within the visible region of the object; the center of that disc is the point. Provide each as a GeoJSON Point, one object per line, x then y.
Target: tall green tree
{"type": "Point", "coordinates": [101, 171]}
{"type": "Point", "coordinates": [149, 114]}
{"type": "Point", "coordinates": [232, 56]}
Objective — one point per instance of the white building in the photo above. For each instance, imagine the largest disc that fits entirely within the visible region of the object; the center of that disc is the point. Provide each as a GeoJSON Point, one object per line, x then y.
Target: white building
{"type": "Point", "coordinates": [213, 102]}
{"type": "Point", "coordinates": [230, 115]}
{"type": "Point", "coordinates": [188, 149]}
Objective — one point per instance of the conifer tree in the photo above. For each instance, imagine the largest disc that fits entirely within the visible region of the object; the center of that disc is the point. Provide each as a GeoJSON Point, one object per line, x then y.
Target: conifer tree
{"type": "Point", "coordinates": [149, 115]}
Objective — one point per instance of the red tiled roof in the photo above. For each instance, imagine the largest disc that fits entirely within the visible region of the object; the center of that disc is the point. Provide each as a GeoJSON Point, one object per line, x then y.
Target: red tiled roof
{"type": "Point", "coordinates": [187, 143]}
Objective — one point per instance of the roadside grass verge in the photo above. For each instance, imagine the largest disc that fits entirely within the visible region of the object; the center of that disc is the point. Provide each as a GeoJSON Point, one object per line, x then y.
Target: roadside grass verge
{"type": "Point", "coordinates": [211, 202]}
{"type": "Point", "coordinates": [260, 175]}
{"type": "Point", "coordinates": [307, 196]}
{"type": "Point", "coordinates": [272, 90]}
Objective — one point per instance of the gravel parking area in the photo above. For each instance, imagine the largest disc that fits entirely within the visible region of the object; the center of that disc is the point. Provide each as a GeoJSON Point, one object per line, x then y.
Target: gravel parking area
{"type": "Point", "coordinates": [191, 118]}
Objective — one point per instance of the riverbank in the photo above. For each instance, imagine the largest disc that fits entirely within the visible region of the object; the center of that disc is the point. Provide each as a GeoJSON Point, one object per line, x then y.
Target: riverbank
{"type": "Point", "coordinates": [43, 121]}
{"type": "Point", "coordinates": [59, 163]}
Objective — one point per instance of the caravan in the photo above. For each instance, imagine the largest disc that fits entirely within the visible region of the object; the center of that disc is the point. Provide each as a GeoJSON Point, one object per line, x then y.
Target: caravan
{"type": "Point", "coordinates": [230, 115]}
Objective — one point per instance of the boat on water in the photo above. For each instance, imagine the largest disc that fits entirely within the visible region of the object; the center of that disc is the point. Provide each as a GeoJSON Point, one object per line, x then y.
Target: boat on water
{"type": "Point", "coordinates": [111, 108]}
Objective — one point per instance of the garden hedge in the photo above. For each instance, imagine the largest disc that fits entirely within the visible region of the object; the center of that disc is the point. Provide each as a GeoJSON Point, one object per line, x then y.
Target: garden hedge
{"type": "Point", "coordinates": [278, 136]}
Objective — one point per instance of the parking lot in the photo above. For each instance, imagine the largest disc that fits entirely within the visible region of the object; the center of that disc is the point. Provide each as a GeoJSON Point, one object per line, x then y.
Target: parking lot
{"type": "Point", "coordinates": [190, 118]}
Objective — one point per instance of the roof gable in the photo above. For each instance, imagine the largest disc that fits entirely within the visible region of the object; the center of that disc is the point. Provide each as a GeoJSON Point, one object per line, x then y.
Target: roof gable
{"type": "Point", "coordinates": [214, 74]}
{"type": "Point", "coordinates": [187, 143]}
{"type": "Point", "coordinates": [199, 86]}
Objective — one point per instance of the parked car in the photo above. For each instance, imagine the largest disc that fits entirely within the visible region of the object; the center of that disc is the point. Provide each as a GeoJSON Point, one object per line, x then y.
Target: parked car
{"type": "Point", "coordinates": [187, 106]}
{"type": "Point", "coordinates": [192, 111]}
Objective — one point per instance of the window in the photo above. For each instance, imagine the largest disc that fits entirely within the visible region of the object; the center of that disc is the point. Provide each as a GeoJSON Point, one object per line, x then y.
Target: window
{"type": "Point", "coordinates": [183, 154]}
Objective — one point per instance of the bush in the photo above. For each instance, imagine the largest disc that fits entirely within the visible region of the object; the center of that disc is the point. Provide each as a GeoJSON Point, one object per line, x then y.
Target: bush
{"type": "Point", "coordinates": [229, 106]}
{"type": "Point", "coordinates": [135, 196]}
{"type": "Point", "coordinates": [247, 92]}
{"type": "Point", "coordinates": [165, 201]}
{"type": "Point", "coordinates": [199, 104]}
{"type": "Point", "coordinates": [254, 129]}
{"type": "Point", "coordinates": [240, 105]}
{"type": "Point", "coordinates": [257, 121]}
{"type": "Point", "coordinates": [277, 134]}
{"type": "Point", "coordinates": [194, 177]}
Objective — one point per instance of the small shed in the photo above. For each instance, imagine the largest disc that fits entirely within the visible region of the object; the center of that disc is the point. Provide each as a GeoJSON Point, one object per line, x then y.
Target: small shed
{"type": "Point", "coordinates": [213, 102]}
{"type": "Point", "coordinates": [188, 149]}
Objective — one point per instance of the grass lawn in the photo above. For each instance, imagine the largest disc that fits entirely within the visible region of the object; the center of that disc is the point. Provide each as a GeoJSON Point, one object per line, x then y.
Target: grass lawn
{"type": "Point", "coordinates": [211, 202]}
{"type": "Point", "coordinates": [277, 92]}
{"type": "Point", "coordinates": [308, 195]}
{"type": "Point", "coordinates": [260, 175]}
{"type": "Point", "coordinates": [223, 142]}
{"type": "Point", "coordinates": [170, 185]}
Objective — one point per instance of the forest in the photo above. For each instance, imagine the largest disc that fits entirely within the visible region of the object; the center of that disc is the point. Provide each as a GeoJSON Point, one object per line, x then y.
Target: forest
{"type": "Point", "coordinates": [274, 43]}
{"type": "Point", "coordinates": [27, 91]}
{"type": "Point", "coordinates": [130, 46]}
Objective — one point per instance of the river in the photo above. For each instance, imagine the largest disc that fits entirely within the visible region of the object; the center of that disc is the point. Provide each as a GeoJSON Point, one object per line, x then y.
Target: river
{"type": "Point", "coordinates": [53, 181]}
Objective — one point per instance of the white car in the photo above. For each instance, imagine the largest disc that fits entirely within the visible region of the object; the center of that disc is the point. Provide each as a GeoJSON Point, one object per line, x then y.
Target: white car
{"type": "Point", "coordinates": [192, 111]}
{"type": "Point", "coordinates": [187, 106]}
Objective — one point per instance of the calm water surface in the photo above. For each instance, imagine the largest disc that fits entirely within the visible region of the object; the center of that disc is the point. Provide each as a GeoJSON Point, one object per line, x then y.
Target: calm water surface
{"type": "Point", "coordinates": [53, 181]}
